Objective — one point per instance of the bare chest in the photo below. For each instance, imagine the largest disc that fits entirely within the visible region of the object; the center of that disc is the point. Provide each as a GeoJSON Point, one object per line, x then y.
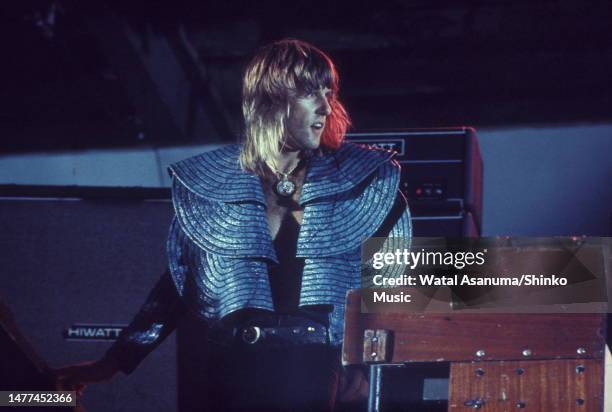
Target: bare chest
{"type": "Point", "coordinates": [278, 214]}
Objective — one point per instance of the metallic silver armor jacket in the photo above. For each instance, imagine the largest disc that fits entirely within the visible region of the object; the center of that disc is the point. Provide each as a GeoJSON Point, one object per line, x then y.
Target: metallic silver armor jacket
{"type": "Point", "coordinates": [219, 246]}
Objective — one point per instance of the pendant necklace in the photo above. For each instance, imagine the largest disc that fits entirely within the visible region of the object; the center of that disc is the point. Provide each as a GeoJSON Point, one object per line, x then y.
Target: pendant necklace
{"type": "Point", "coordinates": [285, 187]}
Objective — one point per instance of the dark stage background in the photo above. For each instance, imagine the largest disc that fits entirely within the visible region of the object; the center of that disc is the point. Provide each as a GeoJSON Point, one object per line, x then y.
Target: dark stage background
{"type": "Point", "coordinates": [111, 73]}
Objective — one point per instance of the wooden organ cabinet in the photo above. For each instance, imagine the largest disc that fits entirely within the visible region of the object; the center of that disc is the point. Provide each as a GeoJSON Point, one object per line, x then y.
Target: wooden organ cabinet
{"type": "Point", "coordinates": [493, 362]}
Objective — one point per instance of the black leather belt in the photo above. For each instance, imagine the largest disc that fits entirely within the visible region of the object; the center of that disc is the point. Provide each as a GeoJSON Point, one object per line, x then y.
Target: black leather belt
{"type": "Point", "coordinates": [279, 336]}
{"type": "Point", "coordinates": [271, 331]}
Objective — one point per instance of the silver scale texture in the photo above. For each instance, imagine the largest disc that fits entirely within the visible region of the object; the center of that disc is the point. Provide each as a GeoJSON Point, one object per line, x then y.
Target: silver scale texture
{"type": "Point", "coordinates": [219, 246]}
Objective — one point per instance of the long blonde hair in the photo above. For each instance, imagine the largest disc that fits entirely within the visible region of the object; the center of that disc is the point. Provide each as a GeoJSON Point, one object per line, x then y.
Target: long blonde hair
{"type": "Point", "coordinates": [278, 73]}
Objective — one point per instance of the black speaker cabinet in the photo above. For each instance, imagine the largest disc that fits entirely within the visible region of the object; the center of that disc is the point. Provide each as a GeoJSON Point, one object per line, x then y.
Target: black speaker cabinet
{"type": "Point", "coordinates": [87, 257]}
{"type": "Point", "coordinates": [442, 175]}
{"type": "Point", "coordinates": [452, 225]}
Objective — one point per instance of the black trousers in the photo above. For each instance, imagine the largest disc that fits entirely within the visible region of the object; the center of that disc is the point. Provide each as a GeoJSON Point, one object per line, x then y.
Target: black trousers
{"type": "Point", "coordinates": [222, 373]}
{"type": "Point", "coordinates": [302, 378]}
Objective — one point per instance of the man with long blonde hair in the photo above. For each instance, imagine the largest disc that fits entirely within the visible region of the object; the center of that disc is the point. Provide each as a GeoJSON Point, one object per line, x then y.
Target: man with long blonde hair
{"type": "Point", "coordinates": [271, 88]}
{"type": "Point", "coordinates": [265, 244]}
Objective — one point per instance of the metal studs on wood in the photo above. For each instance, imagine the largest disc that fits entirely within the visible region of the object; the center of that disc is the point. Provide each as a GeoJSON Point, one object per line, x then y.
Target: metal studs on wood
{"type": "Point", "coordinates": [474, 403]}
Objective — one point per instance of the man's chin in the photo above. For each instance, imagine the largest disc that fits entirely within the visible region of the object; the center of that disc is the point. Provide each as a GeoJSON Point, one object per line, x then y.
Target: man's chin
{"type": "Point", "coordinates": [306, 143]}
{"type": "Point", "coordinates": [314, 143]}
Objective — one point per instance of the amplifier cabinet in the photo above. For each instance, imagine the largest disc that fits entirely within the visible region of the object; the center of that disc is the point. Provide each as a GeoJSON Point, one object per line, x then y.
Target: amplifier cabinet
{"type": "Point", "coordinates": [442, 175]}
{"type": "Point", "coordinates": [453, 225]}
{"type": "Point", "coordinates": [68, 260]}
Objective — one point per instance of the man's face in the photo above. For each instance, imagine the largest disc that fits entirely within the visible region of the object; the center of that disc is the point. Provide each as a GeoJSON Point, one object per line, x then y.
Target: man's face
{"type": "Point", "coordinates": [306, 121]}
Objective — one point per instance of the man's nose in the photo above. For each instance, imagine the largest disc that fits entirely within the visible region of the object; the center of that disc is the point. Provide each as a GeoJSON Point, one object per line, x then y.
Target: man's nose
{"type": "Point", "coordinates": [324, 108]}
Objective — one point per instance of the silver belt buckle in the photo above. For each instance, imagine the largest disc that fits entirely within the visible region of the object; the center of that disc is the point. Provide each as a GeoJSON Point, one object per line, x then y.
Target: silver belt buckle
{"type": "Point", "coordinates": [251, 334]}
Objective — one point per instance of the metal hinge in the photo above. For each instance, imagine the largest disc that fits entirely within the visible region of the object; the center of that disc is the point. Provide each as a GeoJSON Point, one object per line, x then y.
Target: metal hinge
{"type": "Point", "coordinates": [376, 345]}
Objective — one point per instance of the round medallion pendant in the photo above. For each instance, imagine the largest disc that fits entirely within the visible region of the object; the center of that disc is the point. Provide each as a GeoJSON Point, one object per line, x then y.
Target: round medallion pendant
{"type": "Point", "coordinates": [285, 188]}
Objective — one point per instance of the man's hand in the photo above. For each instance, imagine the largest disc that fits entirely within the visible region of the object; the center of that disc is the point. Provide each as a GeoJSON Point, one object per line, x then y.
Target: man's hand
{"type": "Point", "coordinates": [76, 377]}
